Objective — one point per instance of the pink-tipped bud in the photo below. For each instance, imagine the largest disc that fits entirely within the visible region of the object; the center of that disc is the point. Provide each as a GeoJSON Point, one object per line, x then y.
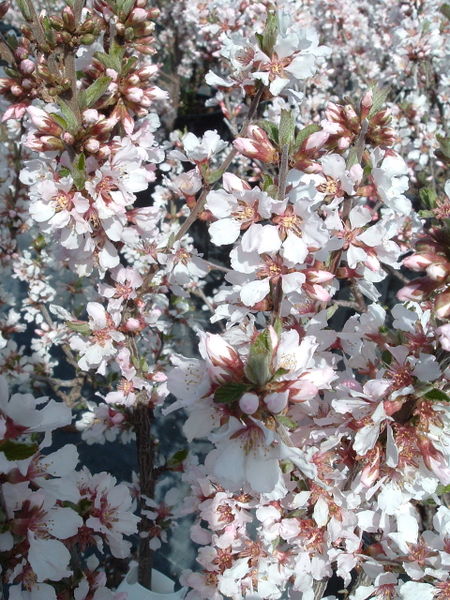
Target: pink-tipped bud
{"type": "Point", "coordinates": [137, 15]}
{"type": "Point", "coordinates": [16, 90]}
{"type": "Point", "coordinates": [318, 276]}
{"type": "Point", "coordinates": [133, 325]}
{"type": "Point", "coordinates": [257, 145]}
{"type": "Point", "coordinates": [412, 291]}
{"type": "Point", "coordinates": [68, 138]}
{"type": "Point", "coordinates": [366, 104]}
{"type": "Point", "coordinates": [442, 305]}
{"type": "Point", "coordinates": [43, 122]}
{"type": "Point", "coordinates": [437, 272]}
{"type": "Point", "coordinates": [249, 403]}
{"type": "Point", "coordinates": [277, 401]}
{"type": "Point", "coordinates": [27, 66]}
{"type": "Point", "coordinates": [315, 141]}
{"type": "Point", "coordinates": [418, 262]}
{"type": "Point", "coordinates": [90, 116]}
{"type": "Point", "coordinates": [218, 352]}
{"type": "Point", "coordinates": [92, 145]}
{"type": "Point", "coordinates": [316, 292]}
{"type": "Point", "coordinates": [444, 336]}
{"type": "Point", "coordinates": [134, 94]}
{"type": "Point", "coordinates": [371, 470]}
{"type": "Point", "coordinates": [49, 142]}
{"type": "Point", "coordinates": [434, 460]}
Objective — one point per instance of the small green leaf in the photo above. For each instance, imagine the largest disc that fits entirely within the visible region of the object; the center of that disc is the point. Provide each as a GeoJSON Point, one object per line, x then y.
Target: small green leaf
{"type": "Point", "coordinates": [270, 34]}
{"type": "Point", "coordinates": [90, 95]}
{"type": "Point", "coordinates": [79, 171]}
{"type": "Point", "coordinates": [386, 357]}
{"type": "Point", "coordinates": [286, 421]}
{"type": "Point", "coordinates": [69, 115]}
{"type": "Point", "coordinates": [428, 197]}
{"type": "Point", "coordinates": [279, 373]}
{"type": "Point", "coordinates": [445, 10]}
{"type": "Point", "coordinates": [444, 147]}
{"type": "Point", "coordinates": [124, 7]}
{"type": "Point", "coordinates": [230, 392]}
{"type": "Point", "coordinates": [17, 451]}
{"type": "Point", "coordinates": [443, 489]}
{"type": "Point", "coordinates": [379, 96]}
{"type": "Point", "coordinates": [305, 133]}
{"type": "Point", "coordinates": [437, 395]}
{"type": "Point", "coordinates": [259, 359]}
{"type": "Point", "coordinates": [60, 120]}
{"type": "Point", "coordinates": [79, 326]}
{"type": "Point", "coordinates": [23, 7]}
{"type": "Point", "coordinates": [270, 128]}
{"type": "Point", "coordinates": [176, 459]}
{"type": "Point", "coordinates": [286, 128]}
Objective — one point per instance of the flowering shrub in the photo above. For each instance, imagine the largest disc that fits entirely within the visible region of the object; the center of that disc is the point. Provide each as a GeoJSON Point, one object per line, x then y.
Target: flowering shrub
{"type": "Point", "coordinates": [320, 378]}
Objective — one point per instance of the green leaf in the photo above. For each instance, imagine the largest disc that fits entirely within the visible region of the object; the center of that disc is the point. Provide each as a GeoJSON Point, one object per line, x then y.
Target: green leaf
{"type": "Point", "coordinates": [386, 357]}
{"type": "Point", "coordinates": [379, 96]}
{"type": "Point", "coordinates": [428, 197]}
{"type": "Point", "coordinates": [286, 421]}
{"type": "Point", "coordinates": [176, 459]}
{"type": "Point", "coordinates": [270, 128]}
{"type": "Point", "coordinates": [279, 373]}
{"type": "Point", "coordinates": [23, 7]}
{"type": "Point", "coordinates": [352, 158]}
{"type": "Point", "coordinates": [79, 171]}
{"type": "Point", "coordinates": [426, 214]}
{"type": "Point", "coordinates": [305, 133]}
{"type": "Point", "coordinates": [437, 395]}
{"type": "Point", "coordinates": [112, 60]}
{"type": "Point", "coordinates": [124, 7]}
{"type": "Point", "coordinates": [259, 359]}
{"type": "Point", "coordinates": [60, 120]}
{"type": "Point", "coordinates": [444, 147]}
{"type": "Point", "coordinates": [269, 37]}
{"type": "Point", "coordinates": [79, 326]}
{"type": "Point", "coordinates": [17, 451]}
{"type": "Point", "coordinates": [445, 10]}
{"type": "Point", "coordinates": [69, 115]}
{"type": "Point", "coordinates": [286, 128]}
{"type": "Point", "coordinates": [230, 392]}
{"type": "Point", "coordinates": [89, 96]}
{"type": "Point", "coordinates": [443, 489]}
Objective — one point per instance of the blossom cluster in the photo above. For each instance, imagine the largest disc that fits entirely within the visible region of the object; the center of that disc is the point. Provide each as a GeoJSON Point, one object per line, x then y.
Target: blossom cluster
{"type": "Point", "coordinates": [320, 382]}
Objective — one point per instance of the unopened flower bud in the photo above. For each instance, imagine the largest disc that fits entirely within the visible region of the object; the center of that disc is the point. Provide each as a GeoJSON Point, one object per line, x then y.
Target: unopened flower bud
{"type": "Point", "coordinates": [92, 145]}
{"type": "Point", "coordinates": [104, 152]}
{"type": "Point", "coordinates": [133, 325]}
{"type": "Point", "coordinates": [437, 272]}
{"type": "Point", "coordinates": [137, 15]}
{"type": "Point", "coordinates": [50, 142]}
{"type": "Point", "coordinates": [27, 66]}
{"type": "Point", "coordinates": [4, 7]}
{"type": "Point", "coordinates": [68, 19]}
{"type": "Point", "coordinates": [257, 145]}
{"type": "Point", "coordinates": [16, 90]}
{"type": "Point", "coordinates": [442, 305]}
{"type": "Point", "coordinates": [366, 104]}
{"type": "Point", "coordinates": [134, 94]}
{"type": "Point", "coordinates": [315, 141]}
{"type": "Point", "coordinates": [87, 39]}
{"type": "Point", "coordinates": [277, 401]}
{"type": "Point", "coordinates": [68, 138]}
{"type": "Point", "coordinates": [249, 403]}
{"type": "Point", "coordinates": [90, 116]}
